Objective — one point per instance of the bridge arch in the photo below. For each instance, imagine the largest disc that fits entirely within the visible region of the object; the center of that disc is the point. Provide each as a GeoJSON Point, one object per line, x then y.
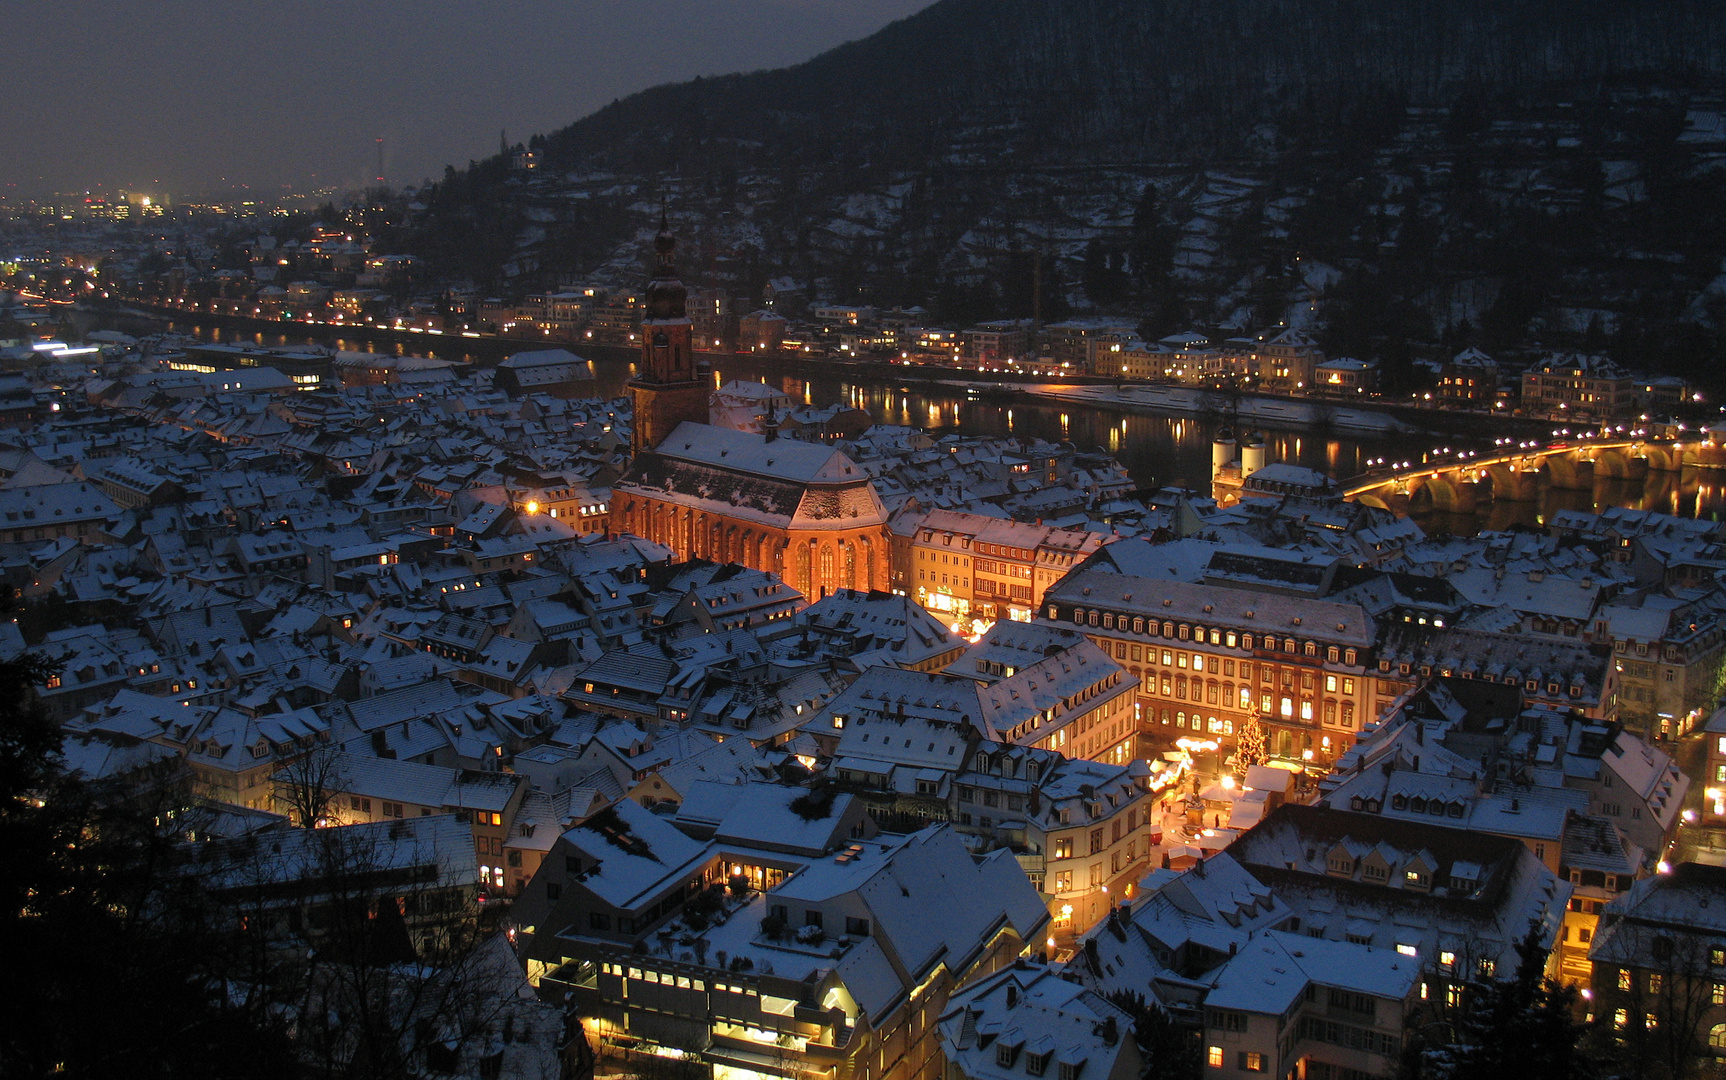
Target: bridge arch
{"type": "Point", "coordinates": [1613, 464]}
{"type": "Point", "coordinates": [1662, 458]}
{"type": "Point", "coordinates": [1567, 470]}
{"type": "Point", "coordinates": [1511, 482]}
{"type": "Point", "coordinates": [1444, 492]}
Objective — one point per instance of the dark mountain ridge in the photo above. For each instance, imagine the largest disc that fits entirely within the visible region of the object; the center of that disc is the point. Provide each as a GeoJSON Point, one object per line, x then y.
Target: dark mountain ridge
{"type": "Point", "coordinates": [1181, 78]}
{"type": "Point", "coordinates": [1393, 174]}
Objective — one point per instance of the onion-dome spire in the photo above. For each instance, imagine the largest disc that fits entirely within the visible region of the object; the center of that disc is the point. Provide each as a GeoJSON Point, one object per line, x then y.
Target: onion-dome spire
{"type": "Point", "coordinates": [665, 293]}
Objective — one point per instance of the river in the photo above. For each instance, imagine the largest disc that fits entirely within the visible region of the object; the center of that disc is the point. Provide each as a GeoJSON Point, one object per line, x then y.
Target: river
{"type": "Point", "coordinates": [1155, 450]}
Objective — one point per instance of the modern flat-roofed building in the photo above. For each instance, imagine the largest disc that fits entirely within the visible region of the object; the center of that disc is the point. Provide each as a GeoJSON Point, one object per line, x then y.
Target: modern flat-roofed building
{"type": "Point", "coordinates": [996, 342]}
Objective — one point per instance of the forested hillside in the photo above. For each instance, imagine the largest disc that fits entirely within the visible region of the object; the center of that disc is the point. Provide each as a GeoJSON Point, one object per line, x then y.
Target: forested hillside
{"type": "Point", "coordinates": [1490, 171]}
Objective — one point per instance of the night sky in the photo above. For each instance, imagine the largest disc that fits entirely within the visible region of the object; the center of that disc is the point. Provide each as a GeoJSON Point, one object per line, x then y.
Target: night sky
{"type": "Point", "coordinates": [193, 96]}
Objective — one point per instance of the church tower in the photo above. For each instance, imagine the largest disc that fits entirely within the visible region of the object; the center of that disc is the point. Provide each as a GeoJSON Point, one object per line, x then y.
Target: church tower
{"type": "Point", "coordinates": [668, 388]}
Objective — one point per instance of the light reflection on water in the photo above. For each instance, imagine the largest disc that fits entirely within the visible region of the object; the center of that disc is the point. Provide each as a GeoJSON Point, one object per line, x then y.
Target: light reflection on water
{"type": "Point", "coordinates": [1692, 493]}
{"type": "Point", "coordinates": [1155, 450]}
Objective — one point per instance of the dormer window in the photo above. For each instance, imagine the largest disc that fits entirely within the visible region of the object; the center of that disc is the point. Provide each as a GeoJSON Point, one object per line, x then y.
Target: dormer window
{"type": "Point", "coordinates": [1038, 1064]}
{"type": "Point", "coordinates": [1004, 1054]}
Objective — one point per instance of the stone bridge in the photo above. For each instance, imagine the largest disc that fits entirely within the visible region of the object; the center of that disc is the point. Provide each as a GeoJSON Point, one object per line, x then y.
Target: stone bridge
{"type": "Point", "coordinates": [1462, 485]}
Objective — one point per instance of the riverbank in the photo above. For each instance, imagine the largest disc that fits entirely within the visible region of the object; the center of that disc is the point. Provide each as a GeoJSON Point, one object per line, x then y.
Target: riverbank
{"type": "Point", "coordinates": [1380, 419]}
{"type": "Point", "coordinates": [1157, 446]}
{"type": "Point", "coordinates": [1270, 410]}
{"type": "Point", "coordinates": [1250, 408]}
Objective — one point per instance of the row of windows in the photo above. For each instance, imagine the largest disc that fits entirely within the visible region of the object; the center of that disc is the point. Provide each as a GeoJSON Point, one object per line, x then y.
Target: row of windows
{"type": "Point", "coordinates": [1229, 696]}
{"type": "Point", "coordinates": [1245, 1060]}
{"type": "Point", "coordinates": [1122, 857]}
{"type": "Point", "coordinates": [985, 587]}
{"type": "Point", "coordinates": [1268, 673]}
{"type": "Point", "coordinates": [990, 797]}
{"type": "Point", "coordinates": [681, 982]}
{"type": "Point", "coordinates": [1531, 685]}
{"type": "Point", "coordinates": [1099, 839]}
{"type": "Point", "coordinates": [1197, 723]}
{"type": "Point", "coordinates": [951, 560]}
{"type": "Point", "coordinates": [1214, 635]}
{"type": "Point", "coordinates": [1347, 1035]}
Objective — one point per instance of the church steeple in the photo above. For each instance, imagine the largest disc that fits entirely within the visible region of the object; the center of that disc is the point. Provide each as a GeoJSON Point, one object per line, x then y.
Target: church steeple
{"type": "Point", "coordinates": [667, 389]}
{"type": "Point", "coordinates": [667, 299]}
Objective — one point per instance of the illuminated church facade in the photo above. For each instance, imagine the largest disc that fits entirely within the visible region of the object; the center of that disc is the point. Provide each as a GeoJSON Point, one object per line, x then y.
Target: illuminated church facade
{"type": "Point", "coordinates": [801, 510]}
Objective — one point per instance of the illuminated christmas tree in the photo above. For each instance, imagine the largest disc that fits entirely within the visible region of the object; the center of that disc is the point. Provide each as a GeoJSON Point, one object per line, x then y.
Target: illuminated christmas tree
{"type": "Point", "coordinates": [1249, 747]}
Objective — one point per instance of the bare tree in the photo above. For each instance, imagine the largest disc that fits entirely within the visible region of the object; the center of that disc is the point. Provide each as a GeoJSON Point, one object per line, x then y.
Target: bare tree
{"type": "Point", "coordinates": [370, 937]}
{"type": "Point", "coordinates": [1656, 1021]}
{"type": "Point", "coordinates": [306, 784]}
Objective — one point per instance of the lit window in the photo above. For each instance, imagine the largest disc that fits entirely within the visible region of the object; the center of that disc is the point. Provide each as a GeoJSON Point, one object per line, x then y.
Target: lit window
{"type": "Point", "coordinates": [1214, 1056]}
